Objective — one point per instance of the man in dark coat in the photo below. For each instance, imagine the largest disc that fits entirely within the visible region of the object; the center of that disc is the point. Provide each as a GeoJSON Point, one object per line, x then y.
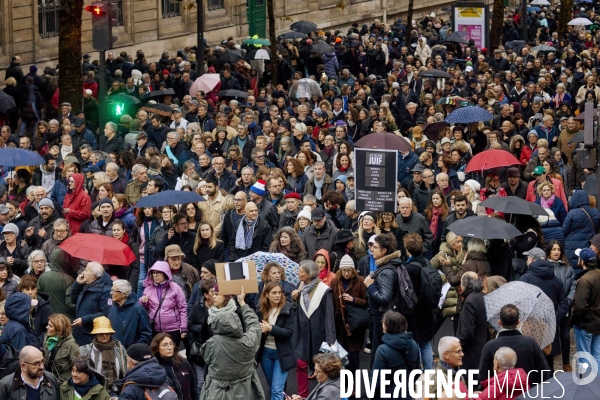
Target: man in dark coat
{"type": "Point", "coordinates": [514, 186]}
{"type": "Point", "coordinates": [231, 222]}
{"type": "Point", "coordinates": [422, 194]}
{"type": "Point", "coordinates": [472, 323]}
{"type": "Point", "coordinates": [128, 316]}
{"type": "Point", "coordinates": [31, 103]}
{"type": "Point", "coordinates": [113, 142]}
{"type": "Point", "coordinates": [181, 236]}
{"type": "Point", "coordinates": [266, 210]}
{"type": "Point", "coordinates": [40, 228]}
{"type": "Point", "coordinates": [256, 234]}
{"type": "Point", "coordinates": [540, 273]}
{"type": "Point", "coordinates": [320, 235]}
{"type": "Point", "coordinates": [529, 354]}
{"type": "Point", "coordinates": [91, 293]}
{"type": "Point", "coordinates": [15, 71]}
{"type": "Point", "coordinates": [460, 211]}
{"type": "Point", "coordinates": [412, 222]}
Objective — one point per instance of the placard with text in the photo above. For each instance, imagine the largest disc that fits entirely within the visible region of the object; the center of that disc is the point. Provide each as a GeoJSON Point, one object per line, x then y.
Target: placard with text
{"type": "Point", "coordinates": [376, 174]}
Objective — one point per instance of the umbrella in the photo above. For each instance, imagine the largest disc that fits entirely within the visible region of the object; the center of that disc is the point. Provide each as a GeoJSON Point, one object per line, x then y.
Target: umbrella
{"type": "Point", "coordinates": [157, 95]}
{"type": "Point", "coordinates": [255, 41]}
{"type": "Point", "coordinates": [205, 83]}
{"type": "Point", "coordinates": [169, 197]}
{"type": "Point", "coordinates": [484, 228]}
{"type": "Point", "coordinates": [468, 115]}
{"type": "Point", "coordinates": [514, 205]}
{"type": "Point", "coordinates": [160, 109]}
{"type": "Point", "coordinates": [321, 48]}
{"type": "Point", "coordinates": [454, 101]}
{"type": "Point", "coordinates": [261, 258]}
{"type": "Point", "coordinates": [435, 73]}
{"type": "Point", "coordinates": [516, 45]}
{"type": "Point", "coordinates": [543, 47]}
{"type": "Point", "coordinates": [100, 248]}
{"type": "Point", "coordinates": [536, 310]}
{"type": "Point", "coordinates": [456, 37]}
{"type": "Point", "coordinates": [564, 386]}
{"type": "Point", "coordinates": [580, 21]}
{"type": "Point", "coordinates": [231, 56]}
{"type": "Point", "coordinates": [7, 102]}
{"type": "Point", "coordinates": [125, 99]}
{"type": "Point", "coordinates": [306, 88]}
{"type": "Point", "coordinates": [490, 159]}
{"type": "Point", "coordinates": [258, 54]}
{"type": "Point", "coordinates": [383, 140]}
{"type": "Point", "coordinates": [432, 131]}
{"type": "Point", "coordinates": [534, 8]}
{"type": "Point", "coordinates": [13, 157]}
{"type": "Point", "coordinates": [540, 3]}
{"type": "Point", "coordinates": [293, 35]}
{"type": "Point", "coordinates": [304, 27]}
{"type": "Point", "coordinates": [232, 93]}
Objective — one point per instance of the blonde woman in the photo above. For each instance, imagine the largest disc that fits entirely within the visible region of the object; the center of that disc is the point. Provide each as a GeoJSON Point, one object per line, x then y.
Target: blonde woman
{"type": "Point", "coordinates": [207, 246]}
{"type": "Point", "coordinates": [471, 190]}
{"type": "Point", "coordinates": [60, 348]}
{"type": "Point", "coordinates": [386, 115]}
{"type": "Point", "coordinates": [367, 227]}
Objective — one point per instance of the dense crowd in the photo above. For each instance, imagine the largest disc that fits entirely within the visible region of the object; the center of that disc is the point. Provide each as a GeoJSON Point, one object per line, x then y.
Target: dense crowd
{"type": "Point", "coordinates": [277, 176]}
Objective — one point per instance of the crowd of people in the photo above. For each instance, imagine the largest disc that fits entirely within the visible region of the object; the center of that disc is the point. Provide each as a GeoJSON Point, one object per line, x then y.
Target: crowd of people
{"type": "Point", "coordinates": [277, 175]}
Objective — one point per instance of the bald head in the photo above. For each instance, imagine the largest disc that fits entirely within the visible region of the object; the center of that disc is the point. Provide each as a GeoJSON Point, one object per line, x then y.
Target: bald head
{"type": "Point", "coordinates": [251, 211]}
{"type": "Point", "coordinates": [29, 354]}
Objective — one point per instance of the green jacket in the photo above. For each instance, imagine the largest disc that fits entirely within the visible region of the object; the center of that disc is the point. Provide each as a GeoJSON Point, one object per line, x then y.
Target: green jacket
{"type": "Point", "coordinates": [456, 259]}
{"type": "Point", "coordinates": [12, 387]}
{"type": "Point", "coordinates": [97, 392]}
{"type": "Point", "coordinates": [57, 284]}
{"type": "Point", "coordinates": [66, 351]}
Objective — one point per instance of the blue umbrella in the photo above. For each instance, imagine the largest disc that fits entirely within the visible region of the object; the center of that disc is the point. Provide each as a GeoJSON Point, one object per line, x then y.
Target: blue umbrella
{"type": "Point", "coordinates": [169, 197]}
{"type": "Point", "coordinates": [534, 8]}
{"type": "Point", "coordinates": [12, 157]}
{"type": "Point", "coordinates": [468, 115]}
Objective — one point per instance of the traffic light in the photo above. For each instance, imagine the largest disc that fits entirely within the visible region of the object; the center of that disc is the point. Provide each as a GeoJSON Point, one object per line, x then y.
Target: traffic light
{"type": "Point", "coordinates": [116, 109]}
{"type": "Point", "coordinates": [102, 22]}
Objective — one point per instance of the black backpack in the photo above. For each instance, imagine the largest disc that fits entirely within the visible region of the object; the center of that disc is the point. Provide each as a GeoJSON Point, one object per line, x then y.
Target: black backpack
{"type": "Point", "coordinates": [405, 299]}
{"type": "Point", "coordinates": [431, 285]}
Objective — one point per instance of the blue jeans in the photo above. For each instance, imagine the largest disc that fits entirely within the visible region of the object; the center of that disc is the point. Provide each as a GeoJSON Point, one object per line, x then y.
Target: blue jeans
{"type": "Point", "coordinates": [142, 277]}
{"type": "Point", "coordinates": [426, 354]}
{"type": "Point", "coordinates": [275, 376]}
{"type": "Point", "coordinates": [588, 342]}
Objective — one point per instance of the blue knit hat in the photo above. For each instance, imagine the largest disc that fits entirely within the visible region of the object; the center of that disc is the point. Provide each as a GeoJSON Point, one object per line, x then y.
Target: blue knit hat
{"type": "Point", "coordinates": [259, 187]}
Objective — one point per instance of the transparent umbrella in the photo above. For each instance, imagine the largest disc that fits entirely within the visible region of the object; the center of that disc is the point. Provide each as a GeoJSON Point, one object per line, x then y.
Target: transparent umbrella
{"type": "Point", "coordinates": [306, 88]}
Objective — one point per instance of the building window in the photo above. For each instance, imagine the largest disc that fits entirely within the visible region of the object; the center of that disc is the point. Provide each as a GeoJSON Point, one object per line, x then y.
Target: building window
{"type": "Point", "coordinates": [216, 4]}
{"type": "Point", "coordinates": [171, 8]}
{"type": "Point", "coordinates": [118, 12]}
{"type": "Point", "coordinates": [48, 18]}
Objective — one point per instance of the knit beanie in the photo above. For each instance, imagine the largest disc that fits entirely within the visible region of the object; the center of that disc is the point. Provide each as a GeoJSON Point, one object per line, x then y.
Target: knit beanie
{"type": "Point", "coordinates": [305, 213]}
{"type": "Point", "coordinates": [210, 266]}
{"type": "Point", "coordinates": [106, 200]}
{"type": "Point", "coordinates": [259, 187]}
{"type": "Point", "coordinates": [346, 262]}
{"type": "Point", "coordinates": [474, 185]}
{"type": "Point", "coordinates": [47, 202]}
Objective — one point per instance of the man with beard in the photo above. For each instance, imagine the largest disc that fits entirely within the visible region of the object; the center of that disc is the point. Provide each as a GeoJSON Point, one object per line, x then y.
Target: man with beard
{"type": "Point", "coordinates": [226, 180]}
{"type": "Point", "coordinates": [515, 186]}
{"type": "Point", "coordinates": [40, 228]}
{"type": "Point", "coordinates": [32, 209]}
{"type": "Point", "coordinates": [30, 381]}
{"type": "Point", "coordinates": [213, 206]}
{"type": "Point", "coordinates": [180, 235]}
{"type": "Point", "coordinates": [47, 174]}
{"type": "Point", "coordinates": [460, 211]}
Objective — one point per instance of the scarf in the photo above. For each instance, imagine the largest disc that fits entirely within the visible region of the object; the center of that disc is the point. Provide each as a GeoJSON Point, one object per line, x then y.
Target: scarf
{"type": "Point", "coordinates": [125, 238]}
{"type": "Point", "coordinates": [372, 263]}
{"type": "Point", "coordinates": [547, 203]}
{"type": "Point", "coordinates": [435, 220]}
{"type": "Point", "coordinates": [65, 150]}
{"type": "Point", "coordinates": [319, 187]}
{"type": "Point", "coordinates": [213, 312]}
{"type": "Point", "coordinates": [119, 213]}
{"type": "Point", "coordinates": [51, 341]}
{"type": "Point", "coordinates": [244, 234]}
{"type": "Point", "coordinates": [343, 169]}
{"type": "Point", "coordinates": [329, 150]}
{"type": "Point", "coordinates": [109, 362]}
{"type": "Point", "coordinates": [83, 389]}
{"type": "Point", "coordinates": [323, 274]}
{"type": "Point", "coordinates": [306, 289]}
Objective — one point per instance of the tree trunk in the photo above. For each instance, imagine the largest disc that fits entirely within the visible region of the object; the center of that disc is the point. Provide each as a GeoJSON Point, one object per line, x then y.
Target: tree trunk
{"type": "Point", "coordinates": [70, 78]}
{"type": "Point", "coordinates": [409, 17]}
{"type": "Point", "coordinates": [497, 24]}
{"type": "Point", "coordinates": [272, 39]}
{"type": "Point", "coordinates": [565, 15]}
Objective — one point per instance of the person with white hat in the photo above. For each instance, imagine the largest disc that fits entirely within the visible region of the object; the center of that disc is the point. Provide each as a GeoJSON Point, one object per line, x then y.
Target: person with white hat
{"type": "Point", "coordinates": [471, 190]}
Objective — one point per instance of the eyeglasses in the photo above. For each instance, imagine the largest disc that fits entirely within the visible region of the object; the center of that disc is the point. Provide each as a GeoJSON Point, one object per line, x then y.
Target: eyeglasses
{"type": "Point", "coordinates": [35, 364]}
{"type": "Point", "coordinates": [456, 351]}
{"type": "Point", "coordinates": [115, 291]}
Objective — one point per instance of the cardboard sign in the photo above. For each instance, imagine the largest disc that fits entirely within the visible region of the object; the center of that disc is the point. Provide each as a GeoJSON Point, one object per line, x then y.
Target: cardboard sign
{"type": "Point", "coordinates": [233, 275]}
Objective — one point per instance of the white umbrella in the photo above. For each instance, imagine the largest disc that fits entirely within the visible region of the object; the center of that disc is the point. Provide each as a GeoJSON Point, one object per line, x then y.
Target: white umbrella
{"type": "Point", "coordinates": [205, 83]}
{"type": "Point", "coordinates": [540, 3]}
{"type": "Point", "coordinates": [580, 21]}
{"type": "Point", "coordinates": [261, 54]}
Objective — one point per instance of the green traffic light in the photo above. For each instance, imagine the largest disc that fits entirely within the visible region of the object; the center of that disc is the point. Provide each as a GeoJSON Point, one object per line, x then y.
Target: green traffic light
{"type": "Point", "coordinates": [119, 109]}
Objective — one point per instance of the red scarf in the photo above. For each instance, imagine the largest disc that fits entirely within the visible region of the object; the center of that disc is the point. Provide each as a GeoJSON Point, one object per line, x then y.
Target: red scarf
{"type": "Point", "coordinates": [125, 238]}
{"type": "Point", "coordinates": [344, 169]}
{"type": "Point", "coordinates": [435, 219]}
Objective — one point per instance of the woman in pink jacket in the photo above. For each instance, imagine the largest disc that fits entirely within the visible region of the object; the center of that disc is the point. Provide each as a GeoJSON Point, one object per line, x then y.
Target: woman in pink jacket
{"type": "Point", "coordinates": [165, 302]}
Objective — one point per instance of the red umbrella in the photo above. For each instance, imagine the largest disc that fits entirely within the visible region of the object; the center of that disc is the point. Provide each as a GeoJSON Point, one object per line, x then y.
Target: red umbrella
{"type": "Point", "coordinates": [491, 159]}
{"type": "Point", "coordinates": [103, 249]}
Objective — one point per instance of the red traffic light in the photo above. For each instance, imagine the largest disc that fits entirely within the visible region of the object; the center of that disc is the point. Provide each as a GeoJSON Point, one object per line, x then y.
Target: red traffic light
{"type": "Point", "coordinates": [96, 9]}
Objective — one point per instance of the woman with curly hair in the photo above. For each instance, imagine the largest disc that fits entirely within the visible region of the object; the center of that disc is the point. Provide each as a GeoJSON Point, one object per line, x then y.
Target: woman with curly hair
{"type": "Point", "coordinates": [308, 158]}
{"type": "Point", "coordinates": [287, 242]}
{"type": "Point", "coordinates": [343, 165]}
{"type": "Point", "coordinates": [295, 175]}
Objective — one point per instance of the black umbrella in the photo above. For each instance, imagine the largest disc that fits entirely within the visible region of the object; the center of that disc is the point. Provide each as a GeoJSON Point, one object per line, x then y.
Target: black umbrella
{"type": "Point", "coordinates": [435, 73]}
{"type": "Point", "coordinates": [514, 205]}
{"type": "Point", "coordinates": [157, 95]}
{"type": "Point", "coordinates": [432, 131]}
{"type": "Point", "coordinates": [231, 56]}
{"type": "Point", "coordinates": [321, 48]}
{"type": "Point", "coordinates": [124, 99]}
{"type": "Point", "coordinates": [160, 109]}
{"type": "Point", "coordinates": [7, 103]}
{"type": "Point", "coordinates": [566, 386]}
{"type": "Point", "coordinates": [304, 27]}
{"type": "Point", "coordinates": [232, 93]}
{"type": "Point", "coordinates": [456, 37]}
{"type": "Point", "coordinates": [293, 35]}
{"type": "Point", "coordinates": [483, 228]}
{"type": "Point", "coordinates": [169, 197]}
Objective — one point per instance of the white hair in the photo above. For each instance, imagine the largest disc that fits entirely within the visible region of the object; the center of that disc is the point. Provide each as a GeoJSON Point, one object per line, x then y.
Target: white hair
{"type": "Point", "coordinates": [96, 268]}
{"type": "Point", "coordinates": [446, 344]}
{"type": "Point", "coordinates": [506, 358]}
{"type": "Point", "coordinates": [122, 286]}
{"type": "Point", "coordinates": [404, 200]}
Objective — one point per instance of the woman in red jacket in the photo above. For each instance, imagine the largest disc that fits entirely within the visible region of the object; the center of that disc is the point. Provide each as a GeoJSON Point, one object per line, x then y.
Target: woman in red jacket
{"type": "Point", "coordinates": [77, 206]}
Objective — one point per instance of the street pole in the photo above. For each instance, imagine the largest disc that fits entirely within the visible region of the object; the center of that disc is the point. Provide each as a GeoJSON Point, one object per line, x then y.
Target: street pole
{"type": "Point", "coordinates": [200, 45]}
{"type": "Point", "coordinates": [524, 25]}
{"type": "Point", "coordinates": [102, 97]}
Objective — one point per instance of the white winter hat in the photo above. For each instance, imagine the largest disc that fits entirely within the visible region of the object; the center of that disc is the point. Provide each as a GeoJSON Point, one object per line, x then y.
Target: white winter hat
{"type": "Point", "coordinates": [474, 185]}
{"type": "Point", "coordinates": [306, 213]}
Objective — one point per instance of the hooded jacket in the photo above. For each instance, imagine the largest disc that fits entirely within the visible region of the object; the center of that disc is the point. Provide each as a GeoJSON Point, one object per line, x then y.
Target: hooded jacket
{"type": "Point", "coordinates": [229, 355]}
{"type": "Point", "coordinates": [330, 62]}
{"type": "Point", "coordinates": [397, 352]}
{"type": "Point", "coordinates": [79, 204]}
{"type": "Point", "coordinates": [9, 362]}
{"type": "Point", "coordinates": [578, 229]}
{"type": "Point", "coordinates": [57, 283]}
{"type": "Point", "coordinates": [97, 392]}
{"type": "Point", "coordinates": [40, 314]}
{"type": "Point", "coordinates": [172, 315]}
{"type": "Point", "coordinates": [330, 275]}
{"type": "Point", "coordinates": [92, 301]}
{"type": "Point", "coordinates": [145, 374]}
{"type": "Point", "coordinates": [130, 321]}
{"type": "Point", "coordinates": [16, 331]}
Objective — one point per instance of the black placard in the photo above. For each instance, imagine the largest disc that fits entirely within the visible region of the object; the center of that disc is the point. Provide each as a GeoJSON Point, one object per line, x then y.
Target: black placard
{"type": "Point", "coordinates": [375, 179]}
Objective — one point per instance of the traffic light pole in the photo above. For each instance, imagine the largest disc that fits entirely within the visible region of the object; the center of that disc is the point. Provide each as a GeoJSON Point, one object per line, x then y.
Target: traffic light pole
{"type": "Point", "coordinates": [200, 45]}
{"type": "Point", "coordinates": [102, 97]}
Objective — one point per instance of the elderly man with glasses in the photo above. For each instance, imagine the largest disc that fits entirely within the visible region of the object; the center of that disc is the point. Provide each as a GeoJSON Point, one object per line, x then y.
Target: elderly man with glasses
{"type": "Point", "coordinates": [128, 316]}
